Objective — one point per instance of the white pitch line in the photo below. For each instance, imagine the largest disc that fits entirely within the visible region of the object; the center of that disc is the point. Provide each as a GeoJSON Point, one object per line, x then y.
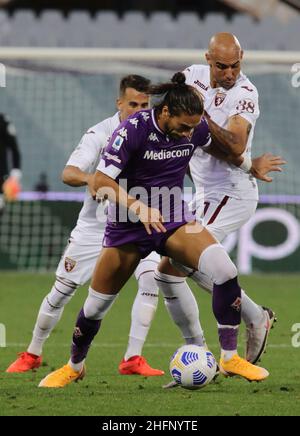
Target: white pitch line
{"type": "Point", "coordinates": [115, 345]}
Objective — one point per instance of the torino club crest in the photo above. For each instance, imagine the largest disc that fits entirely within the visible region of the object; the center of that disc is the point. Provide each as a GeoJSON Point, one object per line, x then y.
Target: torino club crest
{"type": "Point", "coordinates": [220, 97]}
{"type": "Point", "coordinates": [69, 264]}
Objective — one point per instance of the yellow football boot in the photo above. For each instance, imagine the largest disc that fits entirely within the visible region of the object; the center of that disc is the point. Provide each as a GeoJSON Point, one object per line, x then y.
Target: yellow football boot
{"type": "Point", "coordinates": [237, 366]}
{"type": "Point", "coordinates": [62, 377]}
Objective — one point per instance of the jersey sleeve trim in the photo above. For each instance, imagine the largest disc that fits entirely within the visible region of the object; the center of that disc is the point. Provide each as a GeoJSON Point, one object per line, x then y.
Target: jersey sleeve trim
{"type": "Point", "coordinates": [110, 170]}
{"type": "Point", "coordinates": [83, 165]}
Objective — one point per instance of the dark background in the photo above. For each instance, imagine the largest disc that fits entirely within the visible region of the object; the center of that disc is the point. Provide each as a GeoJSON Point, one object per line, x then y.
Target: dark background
{"type": "Point", "coordinates": [172, 6]}
{"type": "Point", "coordinates": [202, 7]}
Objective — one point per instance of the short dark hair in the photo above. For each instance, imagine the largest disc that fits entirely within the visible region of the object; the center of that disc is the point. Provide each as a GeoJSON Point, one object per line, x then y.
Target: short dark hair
{"type": "Point", "coordinates": [139, 83]}
{"type": "Point", "coordinates": [178, 97]}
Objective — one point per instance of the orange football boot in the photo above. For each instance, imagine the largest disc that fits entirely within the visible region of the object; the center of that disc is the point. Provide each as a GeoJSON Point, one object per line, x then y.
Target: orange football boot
{"type": "Point", "coordinates": [237, 366]}
{"type": "Point", "coordinates": [25, 362]}
{"type": "Point", "coordinates": [138, 365]}
{"type": "Point", "coordinates": [62, 377]}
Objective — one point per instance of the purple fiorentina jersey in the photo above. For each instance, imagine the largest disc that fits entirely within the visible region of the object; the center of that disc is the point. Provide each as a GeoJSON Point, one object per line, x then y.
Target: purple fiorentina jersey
{"type": "Point", "coordinates": [151, 167]}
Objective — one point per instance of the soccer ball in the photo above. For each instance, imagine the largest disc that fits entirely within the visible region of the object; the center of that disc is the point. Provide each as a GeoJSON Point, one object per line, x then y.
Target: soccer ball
{"type": "Point", "coordinates": [193, 367]}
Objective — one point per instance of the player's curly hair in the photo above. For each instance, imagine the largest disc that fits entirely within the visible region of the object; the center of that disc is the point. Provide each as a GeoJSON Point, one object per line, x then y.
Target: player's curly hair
{"type": "Point", "coordinates": [178, 96]}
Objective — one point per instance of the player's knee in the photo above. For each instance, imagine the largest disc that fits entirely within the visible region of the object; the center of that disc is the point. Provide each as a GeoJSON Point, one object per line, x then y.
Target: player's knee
{"type": "Point", "coordinates": [147, 283]}
{"type": "Point", "coordinates": [66, 284]}
{"type": "Point", "coordinates": [97, 305]}
{"type": "Point", "coordinates": [61, 293]}
{"type": "Point", "coordinates": [226, 271]}
{"type": "Point", "coordinates": [216, 264]}
{"type": "Point", "coordinates": [147, 266]}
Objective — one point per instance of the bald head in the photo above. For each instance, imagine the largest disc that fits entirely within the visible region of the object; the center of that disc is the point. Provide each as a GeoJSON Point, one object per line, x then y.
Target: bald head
{"type": "Point", "coordinates": [224, 43]}
{"type": "Point", "coordinates": [224, 58]}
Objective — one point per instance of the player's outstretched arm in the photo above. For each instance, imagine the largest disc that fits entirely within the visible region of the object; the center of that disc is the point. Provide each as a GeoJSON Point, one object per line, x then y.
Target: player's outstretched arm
{"type": "Point", "coordinates": [75, 177]}
{"type": "Point", "coordinates": [259, 167]}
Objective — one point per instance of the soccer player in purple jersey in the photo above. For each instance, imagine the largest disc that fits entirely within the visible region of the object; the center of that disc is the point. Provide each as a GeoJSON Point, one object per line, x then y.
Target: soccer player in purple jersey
{"type": "Point", "coordinates": [150, 152]}
{"type": "Point", "coordinates": [79, 259]}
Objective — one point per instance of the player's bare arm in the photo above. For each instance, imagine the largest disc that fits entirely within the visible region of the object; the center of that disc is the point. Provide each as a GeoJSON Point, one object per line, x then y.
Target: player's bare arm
{"type": "Point", "coordinates": [214, 150]}
{"type": "Point", "coordinates": [75, 177]}
{"type": "Point", "coordinates": [261, 165]}
{"type": "Point", "coordinates": [107, 188]}
{"type": "Point", "coordinates": [232, 140]}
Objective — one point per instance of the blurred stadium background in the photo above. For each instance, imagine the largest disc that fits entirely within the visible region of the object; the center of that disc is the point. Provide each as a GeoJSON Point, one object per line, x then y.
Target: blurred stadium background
{"type": "Point", "coordinates": [63, 64]}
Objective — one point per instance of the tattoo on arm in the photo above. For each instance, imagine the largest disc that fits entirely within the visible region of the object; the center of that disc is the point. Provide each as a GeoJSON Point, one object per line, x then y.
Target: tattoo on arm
{"type": "Point", "coordinates": [222, 136]}
{"type": "Point", "coordinates": [233, 141]}
{"type": "Point", "coordinates": [214, 150]}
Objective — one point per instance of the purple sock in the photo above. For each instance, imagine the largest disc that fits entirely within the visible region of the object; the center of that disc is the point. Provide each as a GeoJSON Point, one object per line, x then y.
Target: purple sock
{"type": "Point", "coordinates": [227, 310]}
{"type": "Point", "coordinates": [228, 338]}
{"type": "Point", "coordinates": [84, 333]}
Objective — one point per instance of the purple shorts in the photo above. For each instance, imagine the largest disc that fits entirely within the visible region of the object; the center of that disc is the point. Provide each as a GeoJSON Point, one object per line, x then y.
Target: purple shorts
{"type": "Point", "coordinates": [117, 234]}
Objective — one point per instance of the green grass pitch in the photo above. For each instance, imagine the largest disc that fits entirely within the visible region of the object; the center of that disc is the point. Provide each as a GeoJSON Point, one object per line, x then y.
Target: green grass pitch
{"type": "Point", "coordinates": [105, 393]}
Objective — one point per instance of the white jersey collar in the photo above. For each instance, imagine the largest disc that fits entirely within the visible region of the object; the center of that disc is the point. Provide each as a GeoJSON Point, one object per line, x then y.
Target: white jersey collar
{"type": "Point", "coordinates": [241, 78]}
{"type": "Point", "coordinates": [117, 116]}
